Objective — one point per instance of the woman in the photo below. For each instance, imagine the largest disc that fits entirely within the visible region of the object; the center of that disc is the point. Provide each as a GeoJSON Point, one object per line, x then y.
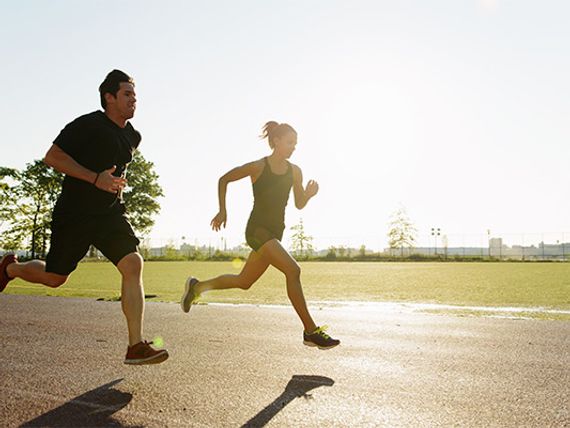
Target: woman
{"type": "Point", "coordinates": [272, 178]}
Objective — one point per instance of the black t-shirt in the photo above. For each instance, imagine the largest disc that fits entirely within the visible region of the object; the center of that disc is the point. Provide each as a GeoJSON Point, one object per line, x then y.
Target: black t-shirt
{"type": "Point", "coordinates": [97, 143]}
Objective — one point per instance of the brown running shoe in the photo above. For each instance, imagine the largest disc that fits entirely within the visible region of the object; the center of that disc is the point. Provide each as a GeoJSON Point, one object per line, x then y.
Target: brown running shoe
{"type": "Point", "coordinates": [4, 278]}
{"type": "Point", "coordinates": [143, 353]}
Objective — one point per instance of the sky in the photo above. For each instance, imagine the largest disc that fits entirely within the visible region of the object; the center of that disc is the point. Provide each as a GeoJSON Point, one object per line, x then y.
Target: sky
{"type": "Point", "coordinates": [456, 110]}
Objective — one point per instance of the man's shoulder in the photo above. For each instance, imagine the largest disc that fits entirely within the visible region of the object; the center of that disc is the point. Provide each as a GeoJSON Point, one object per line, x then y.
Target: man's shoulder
{"type": "Point", "coordinates": [86, 119]}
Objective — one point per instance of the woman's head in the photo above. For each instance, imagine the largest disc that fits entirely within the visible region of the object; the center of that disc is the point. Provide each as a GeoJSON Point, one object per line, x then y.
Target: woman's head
{"type": "Point", "coordinates": [281, 137]}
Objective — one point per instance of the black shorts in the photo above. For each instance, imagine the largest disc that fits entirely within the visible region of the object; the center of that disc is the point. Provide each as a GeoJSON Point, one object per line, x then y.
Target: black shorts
{"type": "Point", "coordinates": [256, 235]}
{"type": "Point", "coordinates": [71, 237]}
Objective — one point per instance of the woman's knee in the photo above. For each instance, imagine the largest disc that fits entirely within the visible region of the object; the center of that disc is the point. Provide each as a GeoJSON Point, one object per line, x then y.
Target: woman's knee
{"type": "Point", "coordinates": [244, 283]}
{"type": "Point", "coordinates": [293, 271]}
{"type": "Point", "coordinates": [131, 265]}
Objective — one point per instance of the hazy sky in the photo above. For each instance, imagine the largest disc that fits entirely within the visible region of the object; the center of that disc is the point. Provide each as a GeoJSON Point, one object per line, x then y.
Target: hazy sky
{"type": "Point", "coordinates": [458, 110]}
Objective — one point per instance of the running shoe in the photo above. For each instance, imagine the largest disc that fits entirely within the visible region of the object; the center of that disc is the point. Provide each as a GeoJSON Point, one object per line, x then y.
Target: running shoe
{"type": "Point", "coordinates": [4, 278]}
{"type": "Point", "coordinates": [143, 353]}
{"type": "Point", "coordinates": [320, 339]}
{"type": "Point", "coordinates": [190, 296]}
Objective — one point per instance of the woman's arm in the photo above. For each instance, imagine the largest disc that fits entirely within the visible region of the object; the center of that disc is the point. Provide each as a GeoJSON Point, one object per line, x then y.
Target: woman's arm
{"type": "Point", "coordinates": [302, 195]}
{"type": "Point", "coordinates": [247, 170]}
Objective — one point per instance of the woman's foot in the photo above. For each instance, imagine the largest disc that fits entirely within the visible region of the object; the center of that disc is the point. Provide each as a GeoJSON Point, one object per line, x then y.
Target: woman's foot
{"type": "Point", "coordinates": [320, 339]}
{"type": "Point", "coordinates": [189, 296]}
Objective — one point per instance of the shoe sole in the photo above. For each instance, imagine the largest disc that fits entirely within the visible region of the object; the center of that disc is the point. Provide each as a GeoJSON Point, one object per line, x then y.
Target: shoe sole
{"type": "Point", "coordinates": [155, 359]}
{"type": "Point", "coordinates": [322, 348]}
{"type": "Point", "coordinates": [187, 289]}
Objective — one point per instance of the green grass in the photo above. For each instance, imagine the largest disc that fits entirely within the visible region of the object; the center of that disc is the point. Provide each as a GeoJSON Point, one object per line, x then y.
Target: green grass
{"type": "Point", "coordinates": [467, 284]}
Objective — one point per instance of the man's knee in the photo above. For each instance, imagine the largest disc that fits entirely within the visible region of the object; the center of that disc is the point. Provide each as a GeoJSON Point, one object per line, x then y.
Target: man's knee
{"type": "Point", "coordinates": [131, 265]}
{"type": "Point", "coordinates": [55, 280]}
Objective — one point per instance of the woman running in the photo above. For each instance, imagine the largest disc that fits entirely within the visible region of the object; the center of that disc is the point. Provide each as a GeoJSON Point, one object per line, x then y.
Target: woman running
{"type": "Point", "coordinates": [272, 178]}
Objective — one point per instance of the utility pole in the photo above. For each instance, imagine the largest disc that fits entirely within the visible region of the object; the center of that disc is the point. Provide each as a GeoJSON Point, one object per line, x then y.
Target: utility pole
{"type": "Point", "coordinates": [435, 232]}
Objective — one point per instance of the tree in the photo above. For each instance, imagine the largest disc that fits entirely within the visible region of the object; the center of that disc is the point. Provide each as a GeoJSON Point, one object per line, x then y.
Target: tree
{"type": "Point", "coordinates": [142, 194]}
{"type": "Point", "coordinates": [27, 206]}
{"type": "Point", "coordinates": [8, 203]}
{"type": "Point", "coordinates": [28, 197]}
{"type": "Point", "coordinates": [401, 231]}
{"type": "Point", "coordinates": [302, 243]}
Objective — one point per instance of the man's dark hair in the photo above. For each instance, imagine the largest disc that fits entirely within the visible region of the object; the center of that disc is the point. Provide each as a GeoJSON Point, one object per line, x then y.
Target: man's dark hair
{"type": "Point", "coordinates": [112, 83]}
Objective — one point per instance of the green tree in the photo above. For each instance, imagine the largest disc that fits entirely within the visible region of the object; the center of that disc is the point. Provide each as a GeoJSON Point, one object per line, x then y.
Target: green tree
{"type": "Point", "coordinates": [8, 202]}
{"type": "Point", "coordinates": [401, 231]}
{"type": "Point", "coordinates": [27, 207]}
{"type": "Point", "coordinates": [142, 193]}
{"type": "Point", "coordinates": [302, 243]}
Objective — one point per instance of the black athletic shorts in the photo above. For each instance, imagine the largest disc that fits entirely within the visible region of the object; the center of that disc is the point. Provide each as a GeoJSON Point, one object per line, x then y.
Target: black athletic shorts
{"type": "Point", "coordinates": [256, 234]}
{"type": "Point", "coordinates": [71, 237]}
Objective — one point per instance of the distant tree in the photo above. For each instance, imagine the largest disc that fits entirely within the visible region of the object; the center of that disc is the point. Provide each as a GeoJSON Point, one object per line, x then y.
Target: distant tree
{"type": "Point", "coordinates": [331, 254]}
{"type": "Point", "coordinates": [362, 251]}
{"type": "Point", "coordinates": [302, 243]}
{"type": "Point", "coordinates": [401, 231]}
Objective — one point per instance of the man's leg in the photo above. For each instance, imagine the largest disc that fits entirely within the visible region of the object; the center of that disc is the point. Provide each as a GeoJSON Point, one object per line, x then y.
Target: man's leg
{"type": "Point", "coordinates": [132, 302]}
{"type": "Point", "coordinates": [132, 295]}
{"type": "Point", "coordinates": [35, 271]}
{"type": "Point", "coordinates": [115, 238]}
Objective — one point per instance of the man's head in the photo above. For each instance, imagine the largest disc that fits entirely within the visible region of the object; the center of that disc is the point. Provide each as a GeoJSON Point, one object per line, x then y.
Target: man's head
{"type": "Point", "coordinates": [117, 93]}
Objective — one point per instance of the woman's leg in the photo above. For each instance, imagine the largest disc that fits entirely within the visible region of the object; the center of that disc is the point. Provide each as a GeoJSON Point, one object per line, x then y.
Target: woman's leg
{"type": "Point", "coordinates": [274, 253]}
{"type": "Point", "coordinates": [254, 267]}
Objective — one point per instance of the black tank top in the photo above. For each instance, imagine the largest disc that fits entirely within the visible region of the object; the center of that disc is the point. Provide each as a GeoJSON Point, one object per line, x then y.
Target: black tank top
{"type": "Point", "coordinates": [270, 197]}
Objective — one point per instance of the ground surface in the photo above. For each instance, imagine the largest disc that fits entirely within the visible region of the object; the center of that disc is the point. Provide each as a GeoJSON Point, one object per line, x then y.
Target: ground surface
{"type": "Point", "coordinates": [246, 365]}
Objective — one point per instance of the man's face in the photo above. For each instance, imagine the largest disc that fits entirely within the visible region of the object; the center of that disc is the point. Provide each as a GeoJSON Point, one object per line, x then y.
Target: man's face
{"type": "Point", "coordinates": [125, 102]}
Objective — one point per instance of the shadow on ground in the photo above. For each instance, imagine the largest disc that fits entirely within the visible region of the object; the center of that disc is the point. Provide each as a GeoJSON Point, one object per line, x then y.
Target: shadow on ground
{"type": "Point", "coordinates": [94, 409]}
{"type": "Point", "coordinates": [298, 386]}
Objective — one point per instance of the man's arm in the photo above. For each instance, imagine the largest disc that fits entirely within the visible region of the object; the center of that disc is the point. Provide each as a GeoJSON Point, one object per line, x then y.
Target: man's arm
{"type": "Point", "coordinates": [62, 162]}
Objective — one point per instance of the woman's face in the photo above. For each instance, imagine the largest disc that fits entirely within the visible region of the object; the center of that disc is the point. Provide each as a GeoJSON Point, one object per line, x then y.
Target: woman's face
{"type": "Point", "coordinates": [285, 145]}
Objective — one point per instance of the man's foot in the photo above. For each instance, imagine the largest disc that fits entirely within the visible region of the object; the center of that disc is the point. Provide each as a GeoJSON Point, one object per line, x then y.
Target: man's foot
{"type": "Point", "coordinates": [320, 339]}
{"type": "Point", "coordinates": [190, 296]}
{"type": "Point", "coordinates": [143, 353]}
{"type": "Point", "coordinates": [4, 278]}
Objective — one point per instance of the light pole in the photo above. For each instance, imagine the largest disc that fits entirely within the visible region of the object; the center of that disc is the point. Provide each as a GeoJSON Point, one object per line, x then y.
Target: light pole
{"type": "Point", "coordinates": [489, 241]}
{"type": "Point", "coordinates": [435, 232]}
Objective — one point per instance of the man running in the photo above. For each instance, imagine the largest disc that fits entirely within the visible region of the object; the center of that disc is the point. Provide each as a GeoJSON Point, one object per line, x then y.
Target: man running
{"type": "Point", "coordinates": [93, 152]}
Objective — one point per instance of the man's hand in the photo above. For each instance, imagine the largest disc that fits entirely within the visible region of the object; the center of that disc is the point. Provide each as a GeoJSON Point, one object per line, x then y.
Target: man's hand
{"type": "Point", "coordinates": [108, 182]}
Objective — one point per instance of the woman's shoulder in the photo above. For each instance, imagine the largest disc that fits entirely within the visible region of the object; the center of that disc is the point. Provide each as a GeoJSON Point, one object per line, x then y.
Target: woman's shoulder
{"type": "Point", "coordinates": [295, 169]}
{"type": "Point", "coordinates": [255, 168]}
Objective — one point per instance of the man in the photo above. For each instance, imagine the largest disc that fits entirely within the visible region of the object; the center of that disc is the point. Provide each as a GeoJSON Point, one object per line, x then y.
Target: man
{"type": "Point", "coordinates": [93, 152]}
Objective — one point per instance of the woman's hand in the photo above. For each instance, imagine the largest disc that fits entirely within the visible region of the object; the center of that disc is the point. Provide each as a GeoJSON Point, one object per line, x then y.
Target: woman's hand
{"type": "Point", "coordinates": [312, 189]}
{"type": "Point", "coordinates": [219, 221]}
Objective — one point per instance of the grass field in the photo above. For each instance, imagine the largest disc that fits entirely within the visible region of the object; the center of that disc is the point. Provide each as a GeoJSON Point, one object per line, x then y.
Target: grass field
{"type": "Point", "coordinates": [467, 284]}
